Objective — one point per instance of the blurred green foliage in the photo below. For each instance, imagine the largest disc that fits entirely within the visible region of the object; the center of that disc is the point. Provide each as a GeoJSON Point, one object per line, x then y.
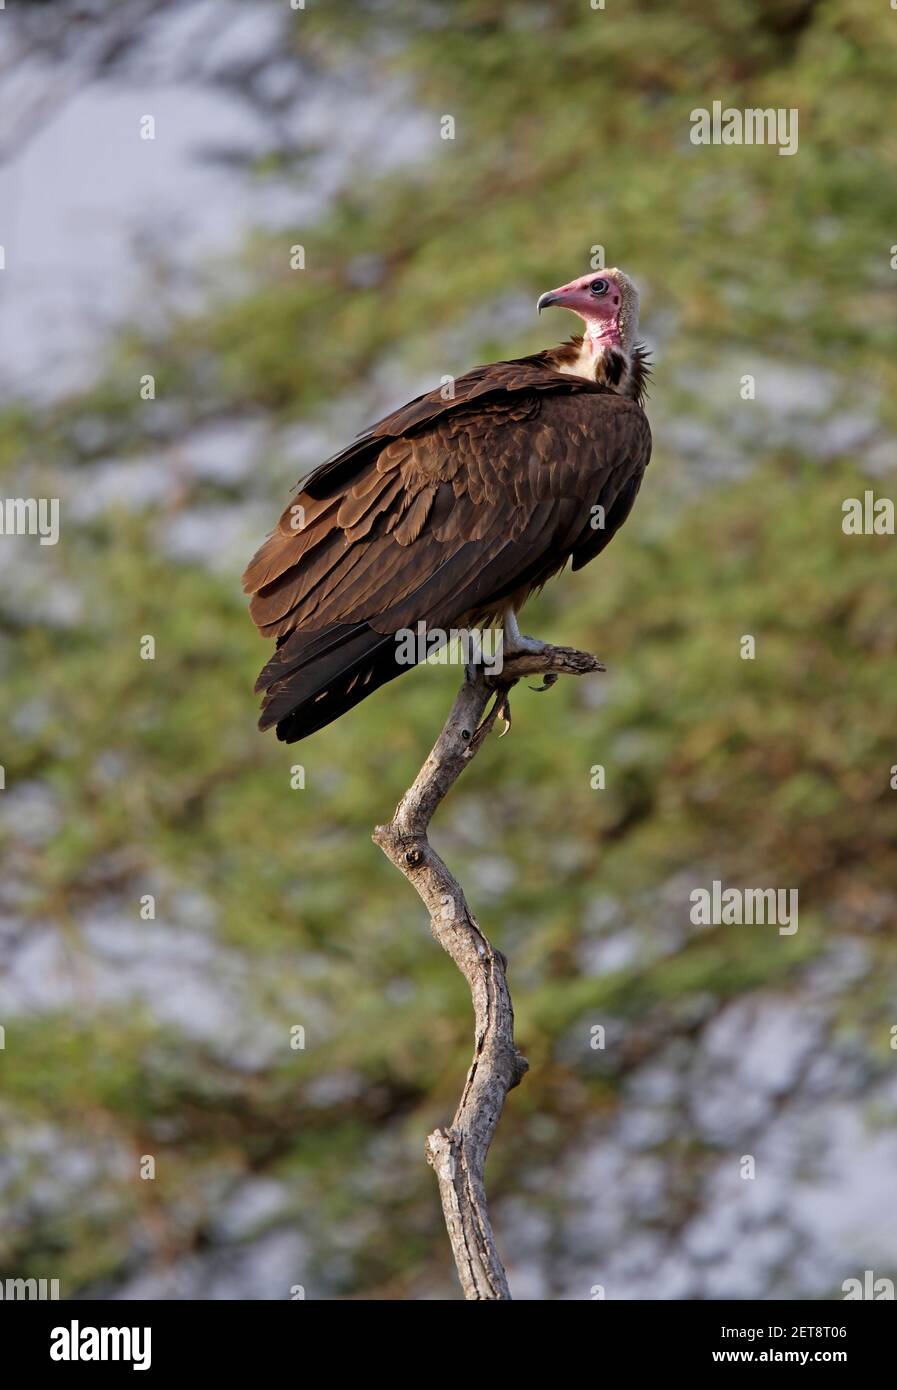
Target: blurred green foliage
{"type": "Point", "coordinates": [572, 130]}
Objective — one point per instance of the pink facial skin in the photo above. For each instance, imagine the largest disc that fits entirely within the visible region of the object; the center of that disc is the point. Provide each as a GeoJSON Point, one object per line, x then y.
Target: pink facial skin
{"type": "Point", "coordinates": [599, 311]}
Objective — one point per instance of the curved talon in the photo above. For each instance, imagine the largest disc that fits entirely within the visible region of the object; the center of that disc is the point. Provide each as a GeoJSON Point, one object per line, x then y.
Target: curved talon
{"type": "Point", "coordinates": [548, 680]}
{"type": "Point", "coordinates": [503, 711]}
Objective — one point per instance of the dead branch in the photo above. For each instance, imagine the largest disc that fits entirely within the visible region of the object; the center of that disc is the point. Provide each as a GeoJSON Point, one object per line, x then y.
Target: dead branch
{"type": "Point", "coordinates": [458, 1154]}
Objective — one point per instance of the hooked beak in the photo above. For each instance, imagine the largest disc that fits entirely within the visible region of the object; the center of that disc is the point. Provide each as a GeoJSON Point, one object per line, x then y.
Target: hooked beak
{"type": "Point", "coordinates": [550, 297]}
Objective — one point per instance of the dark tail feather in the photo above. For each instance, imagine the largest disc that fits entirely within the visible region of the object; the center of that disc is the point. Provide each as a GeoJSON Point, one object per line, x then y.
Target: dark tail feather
{"type": "Point", "coordinates": [314, 677]}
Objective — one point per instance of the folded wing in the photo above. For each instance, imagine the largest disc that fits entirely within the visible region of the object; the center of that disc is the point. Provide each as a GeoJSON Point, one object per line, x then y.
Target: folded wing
{"type": "Point", "coordinates": [437, 515]}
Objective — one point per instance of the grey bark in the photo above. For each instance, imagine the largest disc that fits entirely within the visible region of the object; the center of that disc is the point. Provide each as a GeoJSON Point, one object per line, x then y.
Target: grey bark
{"type": "Point", "coordinates": [458, 1154]}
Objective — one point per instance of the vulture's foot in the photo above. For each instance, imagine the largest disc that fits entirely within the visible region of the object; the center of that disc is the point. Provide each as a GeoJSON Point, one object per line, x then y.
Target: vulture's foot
{"type": "Point", "coordinates": [518, 644]}
{"type": "Point", "coordinates": [513, 641]}
{"type": "Point", "coordinates": [503, 709]}
{"type": "Point", "coordinates": [499, 708]}
{"type": "Point", "coordinates": [548, 680]}
{"type": "Point", "coordinates": [514, 645]}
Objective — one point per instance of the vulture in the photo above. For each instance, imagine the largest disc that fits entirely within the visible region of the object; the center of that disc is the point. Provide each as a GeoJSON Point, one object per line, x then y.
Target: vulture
{"type": "Point", "coordinates": [451, 511]}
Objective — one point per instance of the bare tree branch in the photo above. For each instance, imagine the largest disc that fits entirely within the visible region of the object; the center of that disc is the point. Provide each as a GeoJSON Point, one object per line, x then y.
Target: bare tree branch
{"type": "Point", "coordinates": [458, 1154]}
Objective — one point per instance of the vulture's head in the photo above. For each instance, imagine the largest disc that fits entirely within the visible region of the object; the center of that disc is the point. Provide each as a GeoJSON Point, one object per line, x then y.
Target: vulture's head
{"type": "Point", "coordinates": [607, 303]}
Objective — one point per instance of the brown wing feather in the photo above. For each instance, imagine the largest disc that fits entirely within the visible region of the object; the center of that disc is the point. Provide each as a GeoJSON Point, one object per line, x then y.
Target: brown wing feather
{"type": "Point", "coordinates": [575, 456]}
{"type": "Point", "coordinates": [438, 514]}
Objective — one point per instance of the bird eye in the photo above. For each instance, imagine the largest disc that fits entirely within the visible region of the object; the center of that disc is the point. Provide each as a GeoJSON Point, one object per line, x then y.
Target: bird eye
{"type": "Point", "coordinates": [598, 287]}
